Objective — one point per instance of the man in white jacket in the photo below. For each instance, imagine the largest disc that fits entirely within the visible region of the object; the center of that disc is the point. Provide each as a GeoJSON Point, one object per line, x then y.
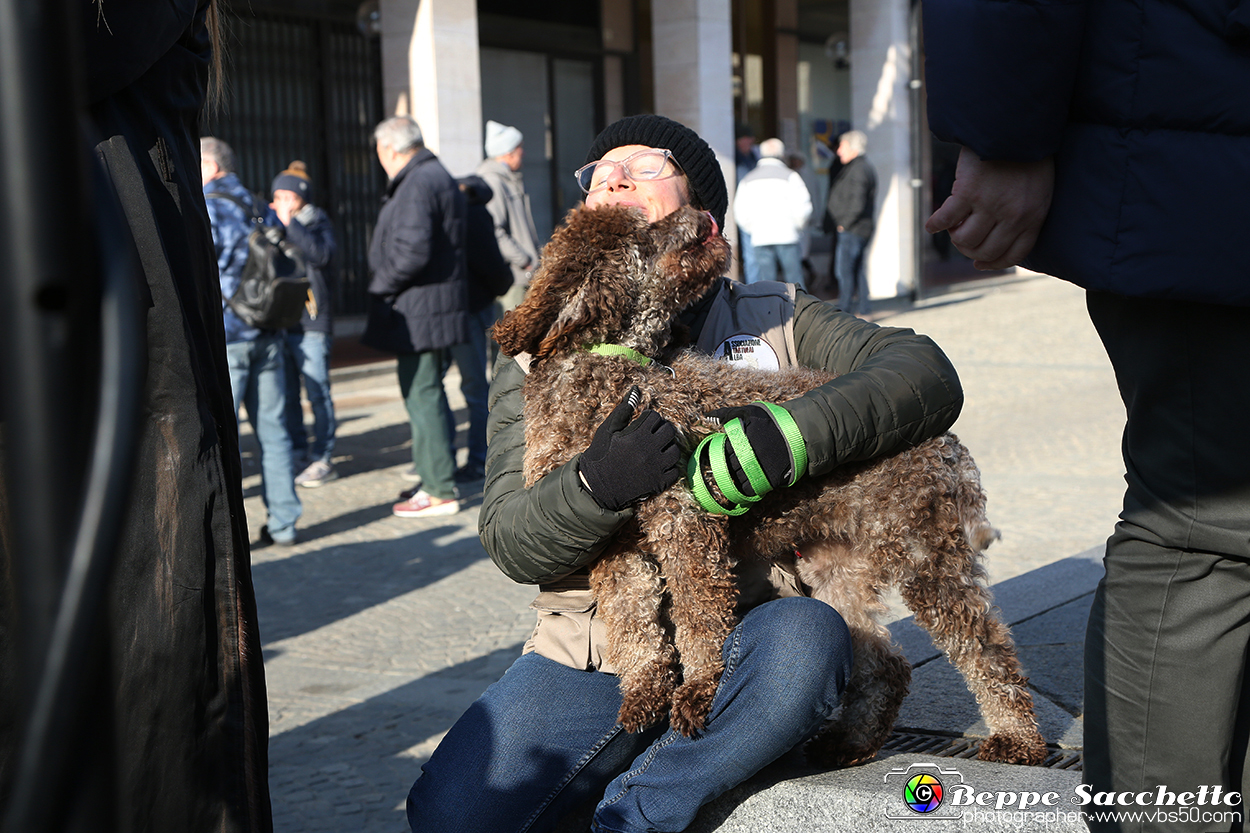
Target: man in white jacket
{"type": "Point", "coordinates": [773, 205]}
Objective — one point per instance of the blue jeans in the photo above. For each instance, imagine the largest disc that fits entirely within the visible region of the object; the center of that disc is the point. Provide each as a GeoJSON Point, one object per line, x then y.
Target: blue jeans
{"type": "Point", "coordinates": [258, 382]}
{"type": "Point", "coordinates": [852, 273]}
{"type": "Point", "coordinates": [785, 259]}
{"type": "Point", "coordinates": [308, 355]}
{"type": "Point", "coordinates": [544, 741]}
{"type": "Point", "coordinates": [746, 254]}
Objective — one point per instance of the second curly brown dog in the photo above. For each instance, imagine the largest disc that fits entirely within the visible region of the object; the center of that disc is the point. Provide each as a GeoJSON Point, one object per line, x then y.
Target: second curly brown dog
{"type": "Point", "coordinates": [665, 587]}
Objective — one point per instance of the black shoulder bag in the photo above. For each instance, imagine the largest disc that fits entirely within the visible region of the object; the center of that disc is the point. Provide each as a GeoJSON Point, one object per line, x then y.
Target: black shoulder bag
{"type": "Point", "coordinates": [274, 287]}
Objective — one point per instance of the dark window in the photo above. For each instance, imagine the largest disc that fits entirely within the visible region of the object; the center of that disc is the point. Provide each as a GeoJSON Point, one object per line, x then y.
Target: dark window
{"type": "Point", "coordinates": [308, 89]}
{"type": "Point", "coordinates": [573, 12]}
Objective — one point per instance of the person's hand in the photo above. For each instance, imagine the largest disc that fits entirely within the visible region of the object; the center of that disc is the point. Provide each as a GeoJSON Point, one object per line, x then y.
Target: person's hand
{"type": "Point", "coordinates": [628, 461]}
{"type": "Point", "coordinates": [767, 442]}
{"type": "Point", "coordinates": [995, 209]}
{"type": "Point", "coordinates": [286, 205]}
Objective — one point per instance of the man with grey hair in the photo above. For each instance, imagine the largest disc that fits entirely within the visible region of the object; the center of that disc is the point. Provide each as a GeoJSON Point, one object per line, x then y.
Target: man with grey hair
{"type": "Point", "coordinates": [773, 205]}
{"type": "Point", "coordinates": [418, 301]}
{"type": "Point", "coordinates": [255, 357]}
{"type": "Point", "coordinates": [510, 207]}
{"type": "Point", "coordinates": [852, 205]}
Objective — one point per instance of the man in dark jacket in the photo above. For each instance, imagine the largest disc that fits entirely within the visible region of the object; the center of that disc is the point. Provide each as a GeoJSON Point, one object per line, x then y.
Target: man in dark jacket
{"type": "Point", "coordinates": [308, 343]}
{"type": "Point", "coordinates": [1109, 144]}
{"type": "Point", "coordinates": [852, 205]}
{"type": "Point", "coordinates": [419, 301]}
{"type": "Point", "coordinates": [490, 276]}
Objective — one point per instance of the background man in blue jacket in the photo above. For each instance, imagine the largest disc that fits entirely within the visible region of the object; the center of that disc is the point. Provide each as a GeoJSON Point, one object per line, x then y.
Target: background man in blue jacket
{"type": "Point", "coordinates": [418, 300]}
{"type": "Point", "coordinates": [255, 357]}
{"type": "Point", "coordinates": [1108, 143]}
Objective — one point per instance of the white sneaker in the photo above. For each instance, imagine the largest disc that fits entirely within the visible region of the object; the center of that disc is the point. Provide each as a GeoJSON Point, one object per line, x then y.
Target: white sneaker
{"type": "Point", "coordinates": [424, 505]}
{"type": "Point", "coordinates": [318, 473]}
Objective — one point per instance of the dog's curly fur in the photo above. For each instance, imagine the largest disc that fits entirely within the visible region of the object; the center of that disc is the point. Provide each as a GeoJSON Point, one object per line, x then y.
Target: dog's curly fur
{"type": "Point", "coordinates": [665, 587]}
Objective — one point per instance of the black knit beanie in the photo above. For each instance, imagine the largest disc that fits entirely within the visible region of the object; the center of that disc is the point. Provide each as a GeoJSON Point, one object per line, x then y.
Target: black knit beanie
{"type": "Point", "coordinates": [707, 183]}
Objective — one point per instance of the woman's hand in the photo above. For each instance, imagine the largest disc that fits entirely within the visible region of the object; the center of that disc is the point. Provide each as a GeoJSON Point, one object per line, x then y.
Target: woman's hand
{"type": "Point", "coordinates": [628, 461]}
{"type": "Point", "coordinates": [767, 443]}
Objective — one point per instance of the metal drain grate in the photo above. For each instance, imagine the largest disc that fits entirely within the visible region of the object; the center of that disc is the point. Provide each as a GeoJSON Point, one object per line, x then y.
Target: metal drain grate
{"type": "Point", "coordinates": [947, 746]}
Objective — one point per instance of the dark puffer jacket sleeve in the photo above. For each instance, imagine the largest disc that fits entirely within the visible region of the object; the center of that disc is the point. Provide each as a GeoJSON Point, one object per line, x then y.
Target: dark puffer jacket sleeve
{"type": "Point", "coordinates": [894, 388]}
{"type": "Point", "coordinates": [542, 534]}
{"type": "Point", "coordinates": [1018, 115]}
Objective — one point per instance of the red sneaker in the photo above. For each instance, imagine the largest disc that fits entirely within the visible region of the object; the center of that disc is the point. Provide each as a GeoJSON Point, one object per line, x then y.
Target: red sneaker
{"type": "Point", "coordinates": [423, 505]}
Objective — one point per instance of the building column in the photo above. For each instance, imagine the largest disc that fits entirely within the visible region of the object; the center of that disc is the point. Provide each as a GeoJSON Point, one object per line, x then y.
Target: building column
{"type": "Point", "coordinates": [693, 68]}
{"type": "Point", "coordinates": [881, 71]}
{"type": "Point", "coordinates": [431, 71]}
{"type": "Point", "coordinates": [786, 72]}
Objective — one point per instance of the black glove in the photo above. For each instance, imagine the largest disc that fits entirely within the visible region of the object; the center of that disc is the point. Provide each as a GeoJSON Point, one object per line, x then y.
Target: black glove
{"type": "Point", "coordinates": [628, 461]}
{"type": "Point", "coordinates": [767, 441]}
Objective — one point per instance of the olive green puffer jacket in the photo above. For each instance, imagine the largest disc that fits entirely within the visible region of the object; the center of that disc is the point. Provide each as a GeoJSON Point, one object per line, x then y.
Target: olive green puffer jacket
{"type": "Point", "coordinates": [894, 389]}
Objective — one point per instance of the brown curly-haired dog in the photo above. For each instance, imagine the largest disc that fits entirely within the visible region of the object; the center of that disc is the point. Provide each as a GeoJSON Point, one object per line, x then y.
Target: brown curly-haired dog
{"type": "Point", "coordinates": [665, 587]}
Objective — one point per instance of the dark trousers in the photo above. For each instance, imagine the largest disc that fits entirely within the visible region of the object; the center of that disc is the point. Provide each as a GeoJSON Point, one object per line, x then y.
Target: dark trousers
{"type": "Point", "coordinates": [1167, 702]}
{"type": "Point", "coordinates": [421, 385]}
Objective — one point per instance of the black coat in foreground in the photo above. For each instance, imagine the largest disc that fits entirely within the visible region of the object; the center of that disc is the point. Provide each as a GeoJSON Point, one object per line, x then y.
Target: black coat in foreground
{"type": "Point", "coordinates": [1143, 106]}
{"type": "Point", "coordinates": [186, 714]}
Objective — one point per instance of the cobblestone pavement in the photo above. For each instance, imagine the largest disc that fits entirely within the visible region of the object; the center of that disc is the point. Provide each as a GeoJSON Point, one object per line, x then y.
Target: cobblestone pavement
{"type": "Point", "coordinates": [379, 631]}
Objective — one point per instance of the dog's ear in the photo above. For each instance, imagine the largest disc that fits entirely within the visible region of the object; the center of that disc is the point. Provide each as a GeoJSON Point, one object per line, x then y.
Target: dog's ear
{"type": "Point", "coordinates": [594, 308]}
{"type": "Point", "coordinates": [573, 294]}
{"type": "Point", "coordinates": [520, 330]}
{"type": "Point", "coordinates": [690, 256]}
{"type": "Point", "coordinates": [523, 329]}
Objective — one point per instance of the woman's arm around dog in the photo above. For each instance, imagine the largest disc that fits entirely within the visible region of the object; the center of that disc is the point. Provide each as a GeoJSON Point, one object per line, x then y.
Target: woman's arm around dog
{"type": "Point", "coordinates": [894, 388]}
{"type": "Point", "coordinates": [541, 534]}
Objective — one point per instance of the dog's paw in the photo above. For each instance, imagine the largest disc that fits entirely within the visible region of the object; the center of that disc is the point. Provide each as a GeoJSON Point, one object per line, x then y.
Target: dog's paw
{"type": "Point", "coordinates": [691, 704]}
{"type": "Point", "coordinates": [1008, 749]}
{"type": "Point", "coordinates": [833, 748]}
{"type": "Point", "coordinates": [639, 713]}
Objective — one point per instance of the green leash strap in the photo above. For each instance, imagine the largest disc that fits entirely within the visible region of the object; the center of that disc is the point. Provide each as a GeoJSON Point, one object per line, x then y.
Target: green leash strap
{"type": "Point", "coordinates": [734, 434]}
{"type": "Point", "coordinates": [794, 439]}
{"type": "Point", "coordinates": [746, 456]}
{"type": "Point", "coordinates": [695, 475]}
{"type": "Point", "coordinates": [619, 350]}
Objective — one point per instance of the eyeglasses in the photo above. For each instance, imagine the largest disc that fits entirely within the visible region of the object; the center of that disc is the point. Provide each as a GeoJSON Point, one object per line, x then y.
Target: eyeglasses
{"type": "Point", "coordinates": [643, 166]}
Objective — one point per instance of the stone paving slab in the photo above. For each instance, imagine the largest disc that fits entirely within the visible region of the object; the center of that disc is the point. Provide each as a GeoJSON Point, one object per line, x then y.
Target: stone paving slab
{"type": "Point", "coordinates": [379, 631]}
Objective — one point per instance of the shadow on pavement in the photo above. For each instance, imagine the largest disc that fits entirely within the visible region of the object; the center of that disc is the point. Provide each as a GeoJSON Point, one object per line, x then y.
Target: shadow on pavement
{"type": "Point", "coordinates": [350, 763]}
{"type": "Point", "coordinates": [307, 591]}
